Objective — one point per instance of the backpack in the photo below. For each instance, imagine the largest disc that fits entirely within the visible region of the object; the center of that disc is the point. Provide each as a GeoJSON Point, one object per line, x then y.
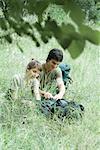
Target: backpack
{"type": "Point", "coordinates": [62, 108]}
{"type": "Point", "coordinates": [65, 68]}
{"type": "Point", "coordinates": [69, 109]}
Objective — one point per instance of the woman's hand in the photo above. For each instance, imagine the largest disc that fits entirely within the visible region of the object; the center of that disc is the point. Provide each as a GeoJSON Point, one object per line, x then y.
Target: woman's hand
{"type": "Point", "coordinates": [48, 95]}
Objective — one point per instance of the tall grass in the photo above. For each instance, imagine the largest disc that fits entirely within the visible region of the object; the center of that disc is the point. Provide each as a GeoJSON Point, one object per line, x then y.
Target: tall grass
{"type": "Point", "coordinates": [24, 128]}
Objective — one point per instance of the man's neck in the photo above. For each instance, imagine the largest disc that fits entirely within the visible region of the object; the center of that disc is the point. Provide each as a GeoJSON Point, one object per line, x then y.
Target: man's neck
{"type": "Point", "coordinates": [46, 67]}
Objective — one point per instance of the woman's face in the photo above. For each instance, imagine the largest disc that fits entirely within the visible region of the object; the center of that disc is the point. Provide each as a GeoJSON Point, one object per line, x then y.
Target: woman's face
{"type": "Point", "coordinates": [33, 73]}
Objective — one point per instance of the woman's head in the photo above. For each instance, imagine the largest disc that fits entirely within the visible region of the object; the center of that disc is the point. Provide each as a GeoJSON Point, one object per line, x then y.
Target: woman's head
{"type": "Point", "coordinates": [33, 69]}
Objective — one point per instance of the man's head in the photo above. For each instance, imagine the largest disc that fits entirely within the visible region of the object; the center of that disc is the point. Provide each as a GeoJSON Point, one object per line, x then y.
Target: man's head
{"type": "Point", "coordinates": [55, 54]}
{"type": "Point", "coordinates": [54, 58]}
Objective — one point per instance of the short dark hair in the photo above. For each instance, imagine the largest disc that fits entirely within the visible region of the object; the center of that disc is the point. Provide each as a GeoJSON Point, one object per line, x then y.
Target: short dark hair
{"type": "Point", "coordinates": [55, 54]}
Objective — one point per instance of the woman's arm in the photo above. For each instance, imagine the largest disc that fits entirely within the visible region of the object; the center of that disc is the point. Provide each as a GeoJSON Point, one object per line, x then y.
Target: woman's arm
{"type": "Point", "coordinates": [45, 94]}
{"type": "Point", "coordinates": [35, 89]}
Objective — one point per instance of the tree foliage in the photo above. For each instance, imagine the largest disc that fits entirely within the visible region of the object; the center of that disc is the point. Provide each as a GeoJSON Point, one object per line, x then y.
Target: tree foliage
{"type": "Point", "coordinates": [91, 8]}
{"type": "Point", "coordinates": [70, 35]}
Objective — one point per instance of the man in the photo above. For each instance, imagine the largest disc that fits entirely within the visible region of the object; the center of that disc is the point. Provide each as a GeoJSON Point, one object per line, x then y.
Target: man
{"type": "Point", "coordinates": [51, 76]}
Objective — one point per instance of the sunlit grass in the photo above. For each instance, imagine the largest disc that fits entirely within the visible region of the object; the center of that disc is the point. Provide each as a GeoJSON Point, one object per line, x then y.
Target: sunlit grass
{"type": "Point", "coordinates": [23, 127]}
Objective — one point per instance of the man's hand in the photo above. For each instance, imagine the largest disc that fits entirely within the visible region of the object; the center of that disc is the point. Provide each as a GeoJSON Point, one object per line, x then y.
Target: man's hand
{"type": "Point", "coordinates": [48, 95]}
{"type": "Point", "coordinates": [58, 96]}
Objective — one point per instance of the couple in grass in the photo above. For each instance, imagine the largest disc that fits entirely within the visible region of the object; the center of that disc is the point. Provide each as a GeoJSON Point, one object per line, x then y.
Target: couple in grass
{"type": "Point", "coordinates": [45, 79]}
{"type": "Point", "coordinates": [47, 83]}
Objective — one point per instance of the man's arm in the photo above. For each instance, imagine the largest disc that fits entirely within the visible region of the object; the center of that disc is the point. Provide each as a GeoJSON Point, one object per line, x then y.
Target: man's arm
{"type": "Point", "coordinates": [61, 87]}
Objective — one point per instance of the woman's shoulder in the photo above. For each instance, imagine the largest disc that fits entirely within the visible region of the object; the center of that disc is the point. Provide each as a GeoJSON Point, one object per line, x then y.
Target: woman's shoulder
{"type": "Point", "coordinates": [17, 76]}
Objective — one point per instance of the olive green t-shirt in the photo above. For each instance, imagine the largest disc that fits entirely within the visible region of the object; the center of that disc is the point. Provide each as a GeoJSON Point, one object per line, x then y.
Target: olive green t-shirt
{"type": "Point", "coordinates": [48, 79]}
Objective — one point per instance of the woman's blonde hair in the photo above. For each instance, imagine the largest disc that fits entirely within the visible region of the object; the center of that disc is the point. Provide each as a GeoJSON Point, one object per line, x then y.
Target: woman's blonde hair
{"type": "Point", "coordinates": [33, 64]}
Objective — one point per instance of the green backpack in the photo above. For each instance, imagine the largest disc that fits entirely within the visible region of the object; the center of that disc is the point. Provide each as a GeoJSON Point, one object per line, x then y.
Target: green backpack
{"type": "Point", "coordinates": [65, 68]}
{"type": "Point", "coordinates": [63, 108]}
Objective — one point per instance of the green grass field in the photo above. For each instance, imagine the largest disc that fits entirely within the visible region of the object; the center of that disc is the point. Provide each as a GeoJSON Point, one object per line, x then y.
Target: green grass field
{"type": "Point", "coordinates": [24, 128]}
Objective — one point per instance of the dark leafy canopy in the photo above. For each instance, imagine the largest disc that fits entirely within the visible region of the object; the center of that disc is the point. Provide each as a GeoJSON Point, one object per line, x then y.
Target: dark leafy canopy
{"type": "Point", "coordinates": [91, 9]}
{"type": "Point", "coordinates": [12, 20]}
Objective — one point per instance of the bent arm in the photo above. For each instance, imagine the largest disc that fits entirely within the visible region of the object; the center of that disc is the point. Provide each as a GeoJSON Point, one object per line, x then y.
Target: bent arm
{"type": "Point", "coordinates": [61, 87]}
{"type": "Point", "coordinates": [45, 94]}
{"type": "Point", "coordinates": [35, 89]}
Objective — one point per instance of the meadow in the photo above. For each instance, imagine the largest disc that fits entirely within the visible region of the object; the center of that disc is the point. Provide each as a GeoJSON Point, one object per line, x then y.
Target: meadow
{"type": "Point", "coordinates": [23, 127]}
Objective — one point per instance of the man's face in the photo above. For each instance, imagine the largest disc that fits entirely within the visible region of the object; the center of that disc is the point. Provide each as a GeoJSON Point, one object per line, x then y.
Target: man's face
{"type": "Point", "coordinates": [52, 64]}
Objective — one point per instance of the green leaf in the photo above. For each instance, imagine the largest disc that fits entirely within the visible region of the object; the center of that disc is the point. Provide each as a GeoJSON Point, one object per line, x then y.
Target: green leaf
{"type": "Point", "coordinates": [3, 24]}
{"type": "Point", "coordinates": [76, 48]}
{"type": "Point", "coordinates": [19, 47]}
{"type": "Point", "coordinates": [89, 34]}
{"type": "Point", "coordinates": [76, 14]}
{"type": "Point", "coordinates": [8, 38]}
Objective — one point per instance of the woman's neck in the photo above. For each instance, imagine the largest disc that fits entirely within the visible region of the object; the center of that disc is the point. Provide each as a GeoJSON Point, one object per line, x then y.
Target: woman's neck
{"type": "Point", "coordinates": [27, 79]}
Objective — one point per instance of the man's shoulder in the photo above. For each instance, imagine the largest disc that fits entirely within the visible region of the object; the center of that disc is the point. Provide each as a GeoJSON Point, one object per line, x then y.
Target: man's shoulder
{"type": "Point", "coordinates": [57, 70]}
